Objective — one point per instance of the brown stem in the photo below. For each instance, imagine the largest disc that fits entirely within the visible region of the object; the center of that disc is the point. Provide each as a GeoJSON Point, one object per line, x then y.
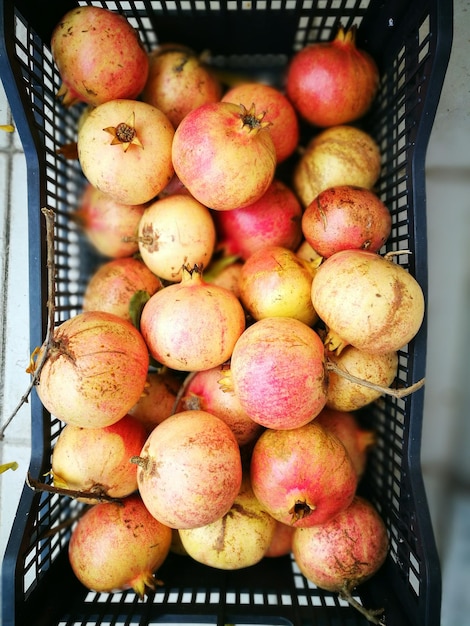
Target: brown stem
{"type": "Point", "coordinates": [65, 524]}
{"type": "Point", "coordinates": [396, 393]}
{"type": "Point", "coordinates": [136, 239]}
{"type": "Point", "coordinates": [369, 614]}
{"type": "Point", "coordinates": [140, 461]}
{"type": "Point", "coordinates": [392, 253]}
{"type": "Point", "coordinates": [71, 493]}
{"type": "Point", "coordinates": [50, 220]}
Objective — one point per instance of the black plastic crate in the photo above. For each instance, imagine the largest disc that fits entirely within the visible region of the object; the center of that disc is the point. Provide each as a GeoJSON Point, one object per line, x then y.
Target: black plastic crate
{"type": "Point", "coordinates": [410, 40]}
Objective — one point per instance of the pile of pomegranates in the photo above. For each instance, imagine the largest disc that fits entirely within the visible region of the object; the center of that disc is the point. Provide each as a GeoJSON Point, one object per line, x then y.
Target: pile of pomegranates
{"type": "Point", "coordinates": [225, 347]}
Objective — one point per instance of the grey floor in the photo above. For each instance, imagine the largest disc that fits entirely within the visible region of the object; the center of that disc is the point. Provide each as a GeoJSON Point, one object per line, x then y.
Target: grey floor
{"type": "Point", "coordinates": [446, 431]}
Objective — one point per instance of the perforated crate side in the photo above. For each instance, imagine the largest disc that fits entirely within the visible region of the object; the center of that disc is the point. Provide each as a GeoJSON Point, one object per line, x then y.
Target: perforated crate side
{"type": "Point", "coordinates": [411, 42]}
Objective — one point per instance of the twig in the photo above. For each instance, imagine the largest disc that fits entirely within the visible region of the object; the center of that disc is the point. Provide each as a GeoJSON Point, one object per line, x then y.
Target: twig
{"type": "Point", "coordinates": [396, 393]}
{"type": "Point", "coordinates": [36, 485]}
{"type": "Point", "coordinates": [65, 524]}
{"type": "Point", "coordinates": [36, 367]}
{"type": "Point", "coordinates": [370, 614]}
{"type": "Point", "coordinates": [389, 255]}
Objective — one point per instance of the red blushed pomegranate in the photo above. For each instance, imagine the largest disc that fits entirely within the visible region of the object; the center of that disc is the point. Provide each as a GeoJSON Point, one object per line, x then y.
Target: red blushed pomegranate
{"type": "Point", "coordinates": [279, 112]}
{"type": "Point", "coordinates": [119, 546]}
{"type": "Point", "coordinates": [331, 83]}
{"type": "Point", "coordinates": [175, 231]}
{"type": "Point", "coordinates": [192, 325]}
{"type": "Point", "coordinates": [99, 56]}
{"type": "Point", "coordinates": [346, 217]}
{"type": "Point", "coordinates": [302, 476]}
{"type": "Point", "coordinates": [343, 552]}
{"type": "Point", "coordinates": [224, 154]}
{"type": "Point", "coordinates": [95, 370]}
{"type": "Point", "coordinates": [113, 285]}
{"type": "Point", "coordinates": [179, 82]}
{"type": "Point", "coordinates": [238, 539]}
{"type": "Point", "coordinates": [274, 282]}
{"type": "Point", "coordinates": [189, 470]}
{"type": "Point", "coordinates": [97, 459]}
{"type": "Point", "coordinates": [339, 155]}
{"type": "Point", "coordinates": [357, 440]}
{"type": "Point", "coordinates": [377, 368]}
{"type": "Point", "coordinates": [205, 392]}
{"type": "Point", "coordinates": [110, 226]}
{"type": "Point", "coordinates": [277, 371]}
{"type": "Point", "coordinates": [274, 219]}
{"type": "Point", "coordinates": [124, 149]}
{"type": "Point", "coordinates": [367, 301]}
{"type": "Point", "coordinates": [158, 398]}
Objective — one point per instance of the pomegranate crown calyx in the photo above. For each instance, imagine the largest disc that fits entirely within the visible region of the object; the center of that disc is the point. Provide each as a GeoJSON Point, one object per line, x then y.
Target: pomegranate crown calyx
{"type": "Point", "coordinates": [253, 120]}
{"type": "Point", "coordinates": [192, 271]}
{"type": "Point", "coordinates": [346, 36]}
{"type": "Point", "coordinates": [124, 134]}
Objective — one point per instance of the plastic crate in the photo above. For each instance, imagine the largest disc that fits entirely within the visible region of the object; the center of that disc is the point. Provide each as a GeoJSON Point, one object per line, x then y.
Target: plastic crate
{"type": "Point", "coordinates": [410, 40]}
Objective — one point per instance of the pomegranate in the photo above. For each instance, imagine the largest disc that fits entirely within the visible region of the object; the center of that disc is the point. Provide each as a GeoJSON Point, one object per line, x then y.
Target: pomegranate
{"type": "Point", "coordinates": [119, 546]}
{"type": "Point", "coordinates": [224, 154]}
{"type": "Point", "coordinates": [277, 370]}
{"type": "Point", "coordinates": [343, 552]}
{"type": "Point", "coordinates": [112, 286]}
{"type": "Point", "coordinates": [345, 217]}
{"type": "Point", "coordinates": [377, 368]}
{"type": "Point", "coordinates": [281, 542]}
{"type": "Point", "coordinates": [97, 459]}
{"type": "Point", "coordinates": [94, 371]}
{"type": "Point", "coordinates": [189, 470]}
{"type": "Point", "coordinates": [99, 56]}
{"type": "Point", "coordinates": [204, 392]}
{"type": "Point", "coordinates": [158, 399]}
{"type": "Point", "coordinates": [274, 219]}
{"type": "Point", "coordinates": [192, 325]}
{"type": "Point", "coordinates": [274, 282]}
{"type": "Point", "coordinates": [175, 231]}
{"type": "Point", "coordinates": [279, 112]}
{"type": "Point", "coordinates": [368, 301]}
{"type": "Point", "coordinates": [356, 439]}
{"type": "Point", "coordinates": [302, 476]}
{"type": "Point", "coordinates": [238, 539]}
{"type": "Point", "coordinates": [110, 226]}
{"type": "Point", "coordinates": [179, 82]}
{"type": "Point", "coordinates": [340, 155]}
{"type": "Point", "coordinates": [124, 149]}
{"type": "Point", "coordinates": [331, 83]}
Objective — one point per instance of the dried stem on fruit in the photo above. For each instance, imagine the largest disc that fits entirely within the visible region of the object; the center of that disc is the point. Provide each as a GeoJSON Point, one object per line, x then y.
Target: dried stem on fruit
{"type": "Point", "coordinates": [99, 496]}
{"type": "Point", "coordinates": [396, 393]}
{"type": "Point", "coordinates": [370, 614]}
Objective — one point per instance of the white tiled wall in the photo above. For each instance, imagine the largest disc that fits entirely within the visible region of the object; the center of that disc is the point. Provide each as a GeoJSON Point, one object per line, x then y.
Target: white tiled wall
{"type": "Point", "coordinates": [446, 430]}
